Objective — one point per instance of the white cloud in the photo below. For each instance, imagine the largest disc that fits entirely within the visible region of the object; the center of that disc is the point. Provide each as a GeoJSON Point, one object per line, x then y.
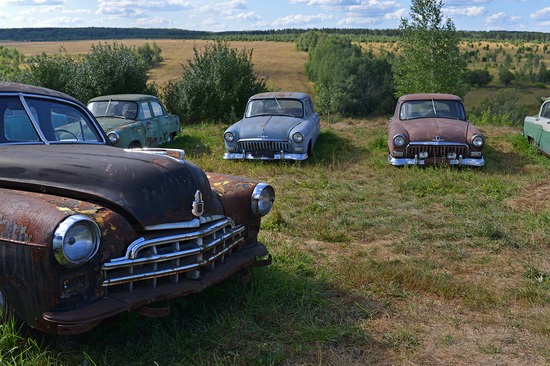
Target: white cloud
{"type": "Point", "coordinates": [32, 2]}
{"type": "Point", "coordinates": [502, 20]}
{"type": "Point", "coordinates": [542, 14]}
{"type": "Point", "coordinates": [472, 11]}
{"type": "Point", "coordinates": [300, 19]}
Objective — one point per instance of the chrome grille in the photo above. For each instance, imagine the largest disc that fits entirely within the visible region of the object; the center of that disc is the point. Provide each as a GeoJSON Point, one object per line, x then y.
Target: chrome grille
{"type": "Point", "coordinates": [262, 145]}
{"type": "Point", "coordinates": [173, 257]}
{"type": "Point", "coordinates": [437, 150]}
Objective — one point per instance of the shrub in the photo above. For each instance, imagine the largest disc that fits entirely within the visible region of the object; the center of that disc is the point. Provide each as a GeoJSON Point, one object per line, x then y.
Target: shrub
{"type": "Point", "coordinates": [106, 69]}
{"type": "Point", "coordinates": [214, 86]}
{"type": "Point", "coordinates": [348, 81]}
{"type": "Point", "coordinates": [502, 109]}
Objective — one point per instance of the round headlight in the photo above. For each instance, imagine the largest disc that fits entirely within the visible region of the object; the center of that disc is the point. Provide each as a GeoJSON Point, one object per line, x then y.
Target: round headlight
{"type": "Point", "coordinates": [113, 137]}
{"type": "Point", "coordinates": [76, 240]}
{"type": "Point", "coordinates": [478, 141]}
{"type": "Point", "coordinates": [298, 137]}
{"type": "Point", "coordinates": [399, 140]}
{"type": "Point", "coordinates": [229, 136]}
{"type": "Point", "coordinates": [262, 199]}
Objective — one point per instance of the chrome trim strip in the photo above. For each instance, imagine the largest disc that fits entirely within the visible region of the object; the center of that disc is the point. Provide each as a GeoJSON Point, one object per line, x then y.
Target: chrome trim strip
{"type": "Point", "coordinates": [176, 154]}
{"type": "Point", "coordinates": [465, 161]}
{"type": "Point", "coordinates": [276, 156]}
{"type": "Point", "coordinates": [169, 256]}
{"type": "Point", "coordinates": [437, 143]}
{"type": "Point", "coordinates": [185, 225]}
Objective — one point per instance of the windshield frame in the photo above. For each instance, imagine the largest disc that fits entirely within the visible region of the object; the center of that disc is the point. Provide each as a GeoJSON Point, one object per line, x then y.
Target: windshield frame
{"type": "Point", "coordinates": [285, 107]}
{"type": "Point", "coordinates": [27, 104]}
{"type": "Point", "coordinates": [432, 108]}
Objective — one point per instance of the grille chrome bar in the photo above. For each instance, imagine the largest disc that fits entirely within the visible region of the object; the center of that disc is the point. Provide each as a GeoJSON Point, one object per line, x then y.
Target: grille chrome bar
{"type": "Point", "coordinates": [263, 145]}
{"type": "Point", "coordinates": [166, 257]}
{"type": "Point", "coordinates": [437, 150]}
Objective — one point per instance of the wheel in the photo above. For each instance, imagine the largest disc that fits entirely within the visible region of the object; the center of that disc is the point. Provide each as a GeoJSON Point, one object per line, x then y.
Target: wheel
{"type": "Point", "coordinates": [135, 145]}
{"type": "Point", "coordinates": [62, 130]}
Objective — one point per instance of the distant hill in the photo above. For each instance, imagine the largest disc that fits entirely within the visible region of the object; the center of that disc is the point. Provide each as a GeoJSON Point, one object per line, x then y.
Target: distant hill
{"type": "Point", "coordinates": [285, 35]}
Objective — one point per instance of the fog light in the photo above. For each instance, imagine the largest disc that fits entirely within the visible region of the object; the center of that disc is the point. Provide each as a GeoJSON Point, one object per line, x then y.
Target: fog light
{"type": "Point", "coordinates": [423, 154]}
{"type": "Point", "coordinates": [451, 155]}
{"type": "Point", "coordinates": [476, 154]}
{"type": "Point", "coordinates": [398, 154]}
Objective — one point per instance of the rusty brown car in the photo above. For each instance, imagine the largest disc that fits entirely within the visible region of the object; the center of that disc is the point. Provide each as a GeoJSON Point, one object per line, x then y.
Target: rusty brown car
{"type": "Point", "coordinates": [432, 129]}
{"type": "Point", "coordinates": [88, 230]}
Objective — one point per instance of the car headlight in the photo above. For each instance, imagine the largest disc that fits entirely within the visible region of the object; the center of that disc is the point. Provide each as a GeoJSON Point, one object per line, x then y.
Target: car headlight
{"type": "Point", "coordinates": [76, 240]}
{"type": "Point", "coordinates": [399, 140]}
{"type": "Point", "coordinates": [478, 141]}
{"type": "Point", "coordinates": [298, 137]}
{"type": "Point", "coordinates": [113, 137]}
{"type": "Point", "coordinates": [229, 136]}
{"type": "Point", "coordinates": [262, 199]}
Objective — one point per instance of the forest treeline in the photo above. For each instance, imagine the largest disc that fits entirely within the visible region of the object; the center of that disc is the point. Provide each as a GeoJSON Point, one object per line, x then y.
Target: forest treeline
{"type": "Point", "coordinates": [279, 35]}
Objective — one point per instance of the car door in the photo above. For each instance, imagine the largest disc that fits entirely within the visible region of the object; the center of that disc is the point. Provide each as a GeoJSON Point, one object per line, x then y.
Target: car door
{"type": "Point", "coordinates": [315, 119]}
{"type": "Point", "coordinates": [544, 120]}
{"type": "Point", "coordinates": [159, 130]}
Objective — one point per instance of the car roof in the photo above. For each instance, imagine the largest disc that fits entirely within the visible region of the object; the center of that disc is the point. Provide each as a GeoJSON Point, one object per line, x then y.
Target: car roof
{"type": "Point", "coordinates": [124, 97]}
{"type": "Point", "coordinates": [287, 94]}
{"type": "Point", "coordinates": [424, 96]}
{"type": "Point", "coordinates": [9, 87]}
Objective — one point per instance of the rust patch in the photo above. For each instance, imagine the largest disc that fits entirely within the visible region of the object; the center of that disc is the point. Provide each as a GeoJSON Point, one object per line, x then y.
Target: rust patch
{"type": "Point", "coordinates": [14, 231]}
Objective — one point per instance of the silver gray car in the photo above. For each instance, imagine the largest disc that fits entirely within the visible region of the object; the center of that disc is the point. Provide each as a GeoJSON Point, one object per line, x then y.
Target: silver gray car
{"type": "Point", "coordinates": [275, 126]}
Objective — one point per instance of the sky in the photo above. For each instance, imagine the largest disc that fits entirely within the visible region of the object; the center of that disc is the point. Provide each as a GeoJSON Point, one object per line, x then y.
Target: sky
{"type": "Point", "coordinates": [242, 15]}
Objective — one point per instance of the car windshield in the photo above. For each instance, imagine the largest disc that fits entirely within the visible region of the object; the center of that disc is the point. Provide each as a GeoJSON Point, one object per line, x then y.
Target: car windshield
{"type": "Point", "coordinates": [114, 108]}
{"type": "Point", "coordinates": [275, 107]}
{"type": "Point", "coordinates": [430, 108]}
{"type": "Point", "coordinates": [45, 120]}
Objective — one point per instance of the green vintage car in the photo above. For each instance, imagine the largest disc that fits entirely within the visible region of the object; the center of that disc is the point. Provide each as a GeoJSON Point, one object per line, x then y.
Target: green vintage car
{"type": "Point", "coordinates": [134, 120]}
{"type": "Point", "coordinates": [537, 128]}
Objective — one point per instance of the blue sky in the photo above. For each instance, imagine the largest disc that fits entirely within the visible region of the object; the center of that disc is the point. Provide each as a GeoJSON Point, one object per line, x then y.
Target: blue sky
{"type": "Point", "coordinates": [231, 15]}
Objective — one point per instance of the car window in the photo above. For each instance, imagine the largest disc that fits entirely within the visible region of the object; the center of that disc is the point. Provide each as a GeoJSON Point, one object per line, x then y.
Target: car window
{"type": "Point", "coordinates": [144, 111]}
{"type": "Point", "coordinates": [546, 110]}
{"type": "Point", "coordinates": [432, 108]}
{"type": "Point", "coordinates": [275, 107]}
{"type": "Point", "coordinates": [16, 124]}
{"type": "Point", "coordinates": [157, 109]}
{"type": "Point", "coordinates": [61, 122]}
{"type": "Point", "coordinates": [114, 108]}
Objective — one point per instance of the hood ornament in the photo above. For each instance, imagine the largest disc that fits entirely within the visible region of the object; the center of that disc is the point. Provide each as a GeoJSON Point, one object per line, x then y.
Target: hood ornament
{"type": "Point", "coordinates": [438, 139]}
{"type": "Point", "coordinates": [198, 204]}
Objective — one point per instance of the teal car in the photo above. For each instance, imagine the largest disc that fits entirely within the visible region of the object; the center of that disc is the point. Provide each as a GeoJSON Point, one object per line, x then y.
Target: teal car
{"type": "Point", "coordinates": [537, 128]}
{"type": "Point", "coordinates": [135, 120]}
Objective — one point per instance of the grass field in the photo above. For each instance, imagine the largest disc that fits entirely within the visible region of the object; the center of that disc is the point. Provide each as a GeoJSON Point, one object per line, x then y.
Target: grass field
{"type": "Point", "coordinates": [373, 265]}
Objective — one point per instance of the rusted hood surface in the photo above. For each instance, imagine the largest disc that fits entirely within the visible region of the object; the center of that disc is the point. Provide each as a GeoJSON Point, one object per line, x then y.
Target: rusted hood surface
{"type": "Point", "coordinates": [147, 189]}
{"type": "Point", "coordinates": [268, 127]}
{"type": "Point", "coordinates": [426, 129]}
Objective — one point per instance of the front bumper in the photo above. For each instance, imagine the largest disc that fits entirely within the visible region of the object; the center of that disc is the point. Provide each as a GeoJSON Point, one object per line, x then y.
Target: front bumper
{"type": "Point", "coordinates": [476, 162]}
{"type": "Point", "coordinates": [85, 318]}
{"type": "Point", "coordinates": [276, 156]}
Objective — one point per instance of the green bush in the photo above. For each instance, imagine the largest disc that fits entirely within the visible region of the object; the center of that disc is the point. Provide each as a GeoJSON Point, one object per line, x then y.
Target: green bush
{"type": "Point", "coordinates": [349, 81]}
{"type": "Point", "coordinates": [214, 86]}
{"type": "Point", "coordinates": [106, 69]}
{"type": "Point", "coordinates": [501, 109]}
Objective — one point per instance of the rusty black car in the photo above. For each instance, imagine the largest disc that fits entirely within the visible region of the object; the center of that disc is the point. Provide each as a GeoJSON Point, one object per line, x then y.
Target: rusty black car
{"type": "Point", "coordinates": [88, 230]}
{"type": "Point", "coordinates": [432, 129]}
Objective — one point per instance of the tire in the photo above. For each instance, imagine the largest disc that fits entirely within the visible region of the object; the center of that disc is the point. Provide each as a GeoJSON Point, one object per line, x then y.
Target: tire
{"type": "Point", "coordinates": [135, 145]}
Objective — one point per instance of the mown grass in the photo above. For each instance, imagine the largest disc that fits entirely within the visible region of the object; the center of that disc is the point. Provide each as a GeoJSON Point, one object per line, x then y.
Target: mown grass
{"type": "Point", "coordinates": [372, 265]}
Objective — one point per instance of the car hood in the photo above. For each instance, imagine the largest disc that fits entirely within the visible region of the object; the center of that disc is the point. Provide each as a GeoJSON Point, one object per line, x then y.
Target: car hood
{"type": "Point", "coordinates": [112, 123]}
{"type": "Point", "coordinates": [147, 189]}
{"type": "Point", "coordinates": [427, 129]}
{"type": "Point", "coordinates": [268, 127]}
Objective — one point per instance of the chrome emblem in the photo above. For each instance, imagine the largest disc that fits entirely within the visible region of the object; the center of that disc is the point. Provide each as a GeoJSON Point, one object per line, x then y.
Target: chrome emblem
{"type": "Point", "coordinates": [198, 204]}
{"type": "Point", "coordinates": [438, 139]}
